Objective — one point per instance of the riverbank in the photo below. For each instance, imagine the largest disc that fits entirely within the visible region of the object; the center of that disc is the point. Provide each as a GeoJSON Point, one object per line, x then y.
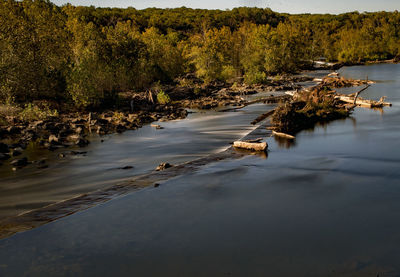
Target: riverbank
{"type": "Point", "coordinates": [137, 109]}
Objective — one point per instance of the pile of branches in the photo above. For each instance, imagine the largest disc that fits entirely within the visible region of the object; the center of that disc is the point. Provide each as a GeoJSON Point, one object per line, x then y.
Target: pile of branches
{"type": "Point", "coordinates": [307, 109]}
{"type": "Point", "coordinates": [341, 82]}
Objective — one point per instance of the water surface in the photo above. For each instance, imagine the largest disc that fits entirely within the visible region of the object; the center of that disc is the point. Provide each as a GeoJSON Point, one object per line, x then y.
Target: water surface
{"type": "Point", "coordinates": [327, 206]}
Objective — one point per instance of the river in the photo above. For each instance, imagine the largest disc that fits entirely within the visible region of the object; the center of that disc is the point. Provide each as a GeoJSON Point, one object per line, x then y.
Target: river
{"type": "Point", "coordinates": [326, 206]}
{"type": "Point", "coordinates": [200, 134]}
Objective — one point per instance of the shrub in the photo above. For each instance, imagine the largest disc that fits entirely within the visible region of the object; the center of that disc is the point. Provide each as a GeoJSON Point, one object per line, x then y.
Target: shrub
{"type": "Point", "coordinates": [34, 112]}
{"type": "Point", "coordinates": [255, 77]}
{"type": "Point", "coordinates": [163, 98]}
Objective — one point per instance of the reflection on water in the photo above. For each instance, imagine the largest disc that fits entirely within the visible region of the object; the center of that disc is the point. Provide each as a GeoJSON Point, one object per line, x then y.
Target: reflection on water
{"type": "Point", "coordinates": [284, 142]}
{"type": "Point", "coordinates": [327, 207]}
{"type": "Point", "coordinates": [260, 154]}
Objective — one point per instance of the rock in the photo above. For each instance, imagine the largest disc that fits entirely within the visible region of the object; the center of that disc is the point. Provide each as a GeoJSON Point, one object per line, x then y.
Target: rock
{"type": "Point", "coordinates": [4, 148]}
{"type": "Point", "coordinates": [40, 162]}
{"type": "Point", "coordinates": [53, 139]}
{"type": "Point", "coordinates": [18, 145]}
{"type": "Point", "coordinates": [156, 185]}
{"type": "Point", "coordinates": [120, 128]}
{"type": "Point", "coordinates": [51, 127]}
{"type": "Point", "coordinates": [73, 138]}
{"type": "Point", "coordinates": [102, 121]}
{"type": "Point", "coordinates": [79, 130]}
{"type": "Point", "coordinates": [126, 167]}
{"type": "Point", "coordinates": [14, 130]}
{"type": "Point", "coordinates": [65, 133]}
{"type": "Point", "coordinates": [158, 127]}
{"type": "Point", "coordinates": [163, 166]}
{"type": "Point", "coordinates": [100, 131]}
{"type": "Point", "coordinates": [78, 121]}
{"type": "Point", "coordinates": [62, 155]}
{"type": "Point", "coordinates": [53, 147]}
{"type": "Point", "coordinates": [3, 133]}
{"type": "Point", "coordinates": [81, 142]}
{"type": "Point", "coordinates": [17, 152]}
{"type": "Point", "coordinates": [38, 123]}
{"type": "Point", "coordinates": [29, 135]}
{"type": "Point", "coordinates": [78, 152]}
{"type": "Point", "coordinates": [20, 162]}
{"type": "Point", "coordinates": [4, 156]}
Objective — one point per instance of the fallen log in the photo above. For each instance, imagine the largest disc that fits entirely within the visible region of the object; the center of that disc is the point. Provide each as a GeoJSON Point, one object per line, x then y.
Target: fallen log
{"type": "Point", "coordinates": [363, 102]}
{"type": "Point", "coordinates": [358, 93]}
{"type": "Point", "coordinates": [283, 135]}
{"type": "Point", "coordinates": [261, 146]}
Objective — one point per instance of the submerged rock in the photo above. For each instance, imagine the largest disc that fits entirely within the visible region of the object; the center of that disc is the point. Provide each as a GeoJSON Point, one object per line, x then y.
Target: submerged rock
{"type": "Point", "coordinates": [163, 166]}
{"type": "Point", "coordinates": [126, 167]}
{"type": "Point", "coordinates": [17, 151]}
{"type": "Point", "coordinates": [20, 162]}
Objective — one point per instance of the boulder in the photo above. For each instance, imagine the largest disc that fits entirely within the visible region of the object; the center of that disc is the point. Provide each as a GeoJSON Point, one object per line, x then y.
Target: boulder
{"type": "Point", "coordinates": [120, 128]}
{"type": "Point", "coordinates": [53, 139]}
{"type": "Point", "coordinates": [14, 130]}
{"type": "Point", "coordinates": [20, 162]}
{"type": "Point", "coordinates": [4, 156]}
{"type": "Point", "coordinates": [81, 142]}
{"type": "Point", "coordinates": [17, 152]}
{"type": "Point", "coordinates": [163, 166]}
{"type": "Point", "coordinates": [3, 133]}
{"type": "Point", "coordinates": [4, 148]}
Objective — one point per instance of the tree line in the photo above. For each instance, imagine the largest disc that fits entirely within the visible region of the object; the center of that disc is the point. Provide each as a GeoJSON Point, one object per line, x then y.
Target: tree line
{"type": "Point", "coordinates": [85, 56]}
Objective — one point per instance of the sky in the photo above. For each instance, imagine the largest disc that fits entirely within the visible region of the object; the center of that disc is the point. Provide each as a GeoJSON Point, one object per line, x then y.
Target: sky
{"type": "Point", "coordinates": [288, 6]}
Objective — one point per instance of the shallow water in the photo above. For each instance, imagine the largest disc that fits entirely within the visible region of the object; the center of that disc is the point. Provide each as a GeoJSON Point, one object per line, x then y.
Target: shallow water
{"type": "Point", "coordinates": [196, 136]}
{"type": "Point", "coordinates": [327, 206]}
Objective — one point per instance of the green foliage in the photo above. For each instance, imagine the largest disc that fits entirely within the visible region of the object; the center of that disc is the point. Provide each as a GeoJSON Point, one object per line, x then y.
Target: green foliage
{"type": "Point", "coordinates": [34, 112]}
{"type": "Point", "coordinates": [211, 54]}
{"type": "Point", "coordinates": [33, 51]}
{"type": "Point", "coordinates": [87, 55]}
{"type": "Point", "coordinates": [163, 98]}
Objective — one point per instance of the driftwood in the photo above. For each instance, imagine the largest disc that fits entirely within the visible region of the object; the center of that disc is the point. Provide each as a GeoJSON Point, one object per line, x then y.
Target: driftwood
{"type": "Point", "coordinates": [156, 126]}
{"type": "Point", "coordinates": [363, 102]}
{"type": "Point", "coordinates": [341, 82]}
{"type": "Point", "coordinates": [261, 146]}
{"type": "Point", "coordinates": [283, 135]}
{"type": "Point", "coordinates": [358, 93]}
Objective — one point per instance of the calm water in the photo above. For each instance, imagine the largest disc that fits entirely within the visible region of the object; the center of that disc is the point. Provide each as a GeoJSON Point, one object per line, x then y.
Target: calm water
{"type": "Point", "coordinates": [328, 206]}
{"type": "Point", "coordinates": [198, 135]}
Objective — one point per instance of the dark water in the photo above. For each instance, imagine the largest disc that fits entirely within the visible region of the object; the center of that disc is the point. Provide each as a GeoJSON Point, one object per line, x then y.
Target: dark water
{"type": "Point", "coordinates": [327, 206]}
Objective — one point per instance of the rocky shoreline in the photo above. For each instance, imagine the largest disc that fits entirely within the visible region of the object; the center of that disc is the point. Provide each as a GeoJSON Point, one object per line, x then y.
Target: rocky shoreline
{"type": "Point", "coordinates": [74, 129]}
